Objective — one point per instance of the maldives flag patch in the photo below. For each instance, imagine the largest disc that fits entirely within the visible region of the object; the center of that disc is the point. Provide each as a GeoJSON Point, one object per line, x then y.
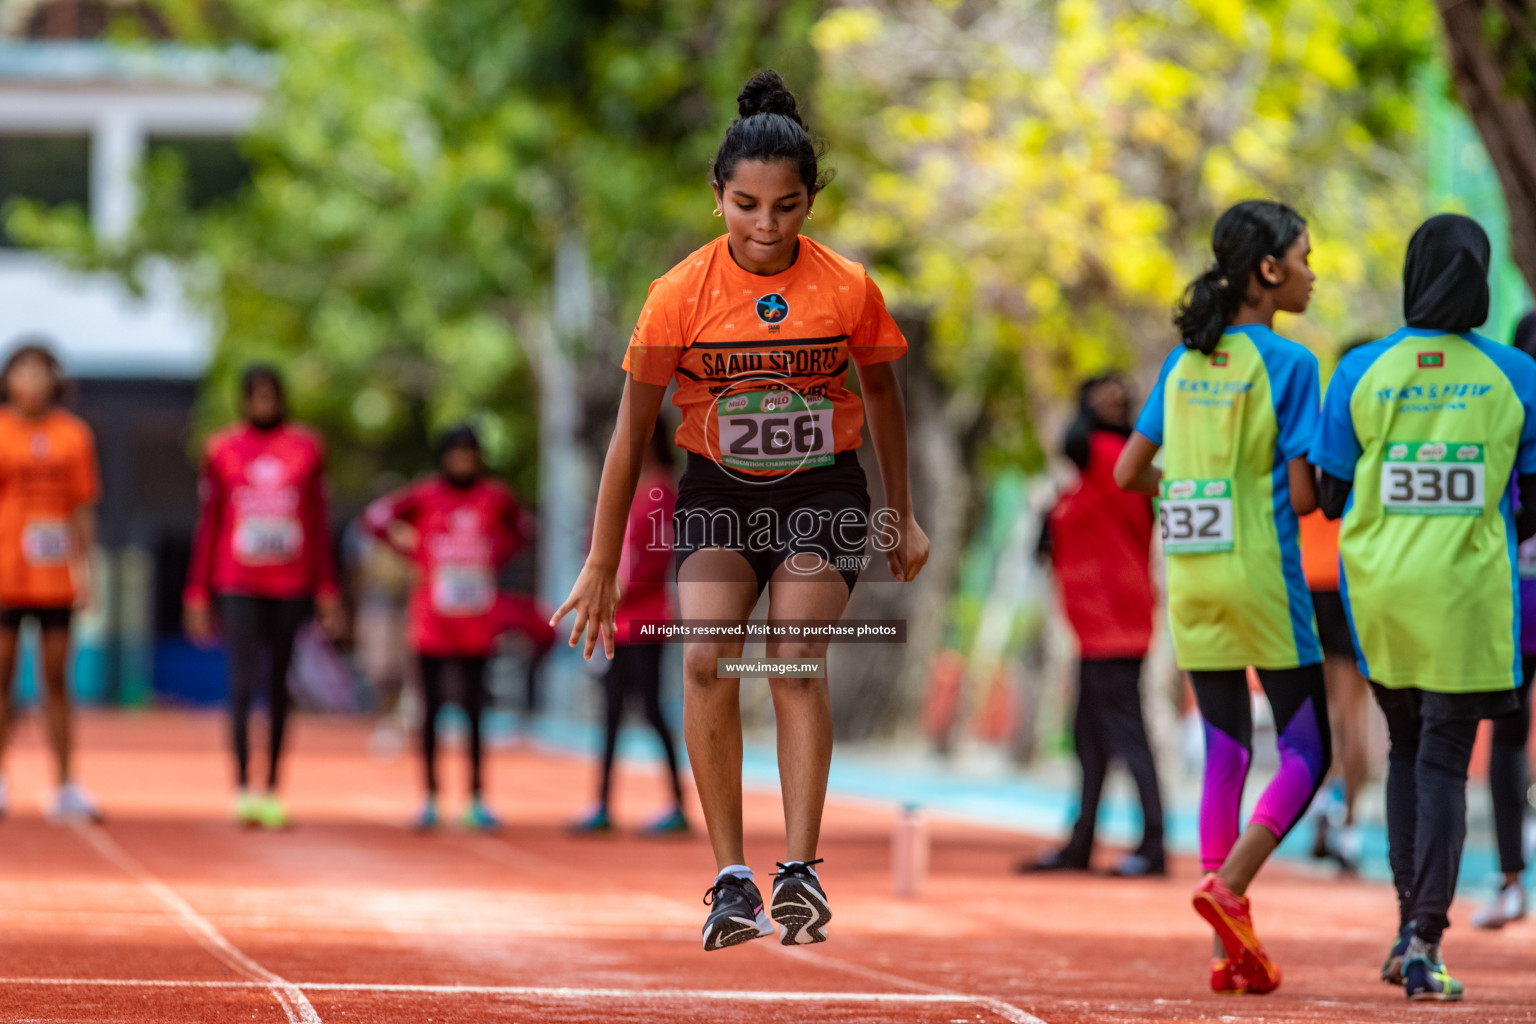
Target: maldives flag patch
{"type": "Point", "coordinates": [1220, 358]}
{"type": "Point", "coordinates": [1431, 360]}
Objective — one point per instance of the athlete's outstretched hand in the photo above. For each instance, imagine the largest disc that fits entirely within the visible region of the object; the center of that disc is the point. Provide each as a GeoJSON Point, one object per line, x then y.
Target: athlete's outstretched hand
{"type": "Point", "coordinates": [910, 554]}
{"type": "Point", "coordinates": [197, 616]}
{"type": "Point", "coordinates": [595, 600]}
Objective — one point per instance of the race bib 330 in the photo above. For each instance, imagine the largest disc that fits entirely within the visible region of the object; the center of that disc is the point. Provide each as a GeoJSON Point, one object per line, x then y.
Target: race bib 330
{"type": "Point", "coordinates": [1432, 478]}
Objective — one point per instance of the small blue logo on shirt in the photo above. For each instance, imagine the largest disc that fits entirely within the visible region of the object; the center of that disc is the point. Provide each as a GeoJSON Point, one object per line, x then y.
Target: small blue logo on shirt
{"type": "Point", "coordinates": [772, 308]}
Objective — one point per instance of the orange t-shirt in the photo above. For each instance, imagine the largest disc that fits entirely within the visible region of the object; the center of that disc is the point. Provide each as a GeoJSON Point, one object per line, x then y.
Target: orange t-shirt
{"type": "Point", "coordinates": [47, 472]}
{"type": "Point", "coordinates": [760, 361]}
{"type": "Point", "coordinates": [1320, 551]}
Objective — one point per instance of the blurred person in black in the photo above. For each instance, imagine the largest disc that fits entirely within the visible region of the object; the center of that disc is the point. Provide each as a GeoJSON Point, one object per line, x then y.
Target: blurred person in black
{"type": "Point", "coordinates": [1098, 541]}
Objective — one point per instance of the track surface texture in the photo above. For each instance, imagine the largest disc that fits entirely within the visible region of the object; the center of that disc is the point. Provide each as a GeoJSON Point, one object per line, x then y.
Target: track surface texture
{"type": "Point", "coordinates": [169, 913]}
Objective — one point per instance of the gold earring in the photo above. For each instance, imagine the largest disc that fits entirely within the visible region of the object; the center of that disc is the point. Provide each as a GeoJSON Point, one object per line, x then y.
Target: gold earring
{"type": "Point", "coordinates": [810, 214]}
{"type": "Point", "coordinates": [719, 212]}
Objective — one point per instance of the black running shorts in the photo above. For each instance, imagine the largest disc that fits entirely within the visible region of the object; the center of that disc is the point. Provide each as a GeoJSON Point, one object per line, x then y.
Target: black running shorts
{"type": "Point", "coordinates": [823, 512]}
{"type": "Point", "coordinates": [48, 619]}
{"type": "Point", "coordinates": [1332, 624]}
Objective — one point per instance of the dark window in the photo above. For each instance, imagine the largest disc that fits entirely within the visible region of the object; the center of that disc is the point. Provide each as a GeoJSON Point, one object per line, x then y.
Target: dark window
{"type": "Point", "coordinates": [50, 168]}
{"type": "Point", "coordinates": [93, 19]}
{"type": "Point", "coordinates": [214, 167]}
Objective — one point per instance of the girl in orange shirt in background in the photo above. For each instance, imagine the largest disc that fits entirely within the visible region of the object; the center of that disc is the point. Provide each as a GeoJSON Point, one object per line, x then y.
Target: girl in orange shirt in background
{"type": "Point", "coordinates": [48, 490]}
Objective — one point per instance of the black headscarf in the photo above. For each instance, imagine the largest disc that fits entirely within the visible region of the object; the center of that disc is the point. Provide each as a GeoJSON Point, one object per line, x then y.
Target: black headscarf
{"type": "Point", "coordinates": [1445, 278]}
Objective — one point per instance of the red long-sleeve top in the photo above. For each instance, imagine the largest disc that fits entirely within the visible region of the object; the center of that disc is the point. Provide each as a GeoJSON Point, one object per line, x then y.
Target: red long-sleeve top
{"type": "Point", "coordinates": [646, 563]}
{"type": "Point", "coordinates": [1101, 542]}
{"type": "Point", "coordinates": [464, 536]}
{"type": "Point", "coordinates": [263, 529]}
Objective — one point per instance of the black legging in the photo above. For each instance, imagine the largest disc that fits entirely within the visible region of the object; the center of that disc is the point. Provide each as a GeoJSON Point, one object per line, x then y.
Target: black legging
{"type": "Point", "coordinates": [1426, 807]}
{"type": "Point", "coordinates": [1508, 774]}
{"type": "Point", "coordinates": [258, 635]}
{"type": "Point", "coordinates": [471, 699]}
{"type": "Point", "coordinates": [636, 669]}
{"type": "Point", "coordinates": [1108, 724]}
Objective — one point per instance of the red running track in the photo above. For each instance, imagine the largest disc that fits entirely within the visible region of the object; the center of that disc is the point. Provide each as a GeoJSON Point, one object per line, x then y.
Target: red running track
{"type": "Point", "coordinates": [168, 913]}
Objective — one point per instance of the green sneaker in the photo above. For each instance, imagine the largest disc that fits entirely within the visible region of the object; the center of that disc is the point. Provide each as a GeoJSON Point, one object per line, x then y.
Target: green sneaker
{"type": "Point", "coordinates": [595, 820]}
{"type": "Point", "coordinates": [271, 813]}
{"type": "Point", "coordinates": [426, 818]}
{"type": "Point", "coordinates": [478, 817]}
{"type": "Point", "coordinates": [247, 810]}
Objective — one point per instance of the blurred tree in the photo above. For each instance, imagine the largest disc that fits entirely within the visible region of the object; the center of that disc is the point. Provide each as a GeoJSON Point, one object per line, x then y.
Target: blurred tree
{"type": "Point", "coordinates": [414, 170]}
{"type": "Point", "coordinates": [1493, 64]}
{"type": "Point", "coordinates": [1044, 176]}
{"type": "Point", "coordinates": [1042, 180]}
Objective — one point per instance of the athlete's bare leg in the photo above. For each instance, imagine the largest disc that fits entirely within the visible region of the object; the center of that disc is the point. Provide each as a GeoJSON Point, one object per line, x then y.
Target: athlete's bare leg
{"type": "Point", "coordinates": [802, 708]}
{"type": "Point", "coordinates": [9, 639]}
{"type": "Point", "coordinates": [715, 584]}
{"type": "Point", "coordinates": [54, 646]}
{"type": "Point", "coordinates": [1249, 854]}
{"type": "Point", "coordinates": [1348, 697]}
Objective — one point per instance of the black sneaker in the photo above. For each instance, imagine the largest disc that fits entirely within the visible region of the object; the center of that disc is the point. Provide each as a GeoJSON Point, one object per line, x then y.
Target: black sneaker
{"type": "Point", "coordinates": [1425, 979]}
{"type": "Point", "coordinates": [736, 913]}
{"type": "Point", "coordinates": [800, 904]}
{"type": "Point", "coordinates": [1392, 966]}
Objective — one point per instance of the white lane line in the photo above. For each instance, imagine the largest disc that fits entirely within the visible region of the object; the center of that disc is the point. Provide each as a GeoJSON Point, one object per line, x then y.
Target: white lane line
{"type": "Point", "coordinates": [1007, 1011]}
{"type": "Point", "coordinates": [527, 991]}
{"type": "Point", "coordinates": [296, 1006]}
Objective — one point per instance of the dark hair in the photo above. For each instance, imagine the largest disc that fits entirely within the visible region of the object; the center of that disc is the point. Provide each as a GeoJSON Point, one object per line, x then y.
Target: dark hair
{"type": "Point", "coordinates": [1243, 237]}
{"type": "Point", "coordinates": [33, 347]}
{"type": "Point", "coordinates": [768, 128]}
{"type": "Point", "coordinates": [257, 374]}
{"type": "Point", "coordinates": [1075, 442]}
{"type": "Point", "coordinates": [1525, 334]}
{"type": "Point", "coordinates": [460, 436]}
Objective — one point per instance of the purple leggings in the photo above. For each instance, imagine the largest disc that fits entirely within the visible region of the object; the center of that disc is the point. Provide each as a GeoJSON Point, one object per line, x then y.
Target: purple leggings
{"type": "Point", "coordinates": [1299, 699]}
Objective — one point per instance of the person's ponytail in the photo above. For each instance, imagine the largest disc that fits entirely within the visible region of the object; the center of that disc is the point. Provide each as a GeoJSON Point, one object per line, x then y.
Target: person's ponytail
{"type": "Point", "coordinates": [1244, 237]}
{"type": "Point", "coordinates": [1209, 304]}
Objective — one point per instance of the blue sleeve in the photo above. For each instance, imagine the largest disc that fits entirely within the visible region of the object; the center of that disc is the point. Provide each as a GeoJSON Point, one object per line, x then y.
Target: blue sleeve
{"type": "Point", "coordinates": [1295, 395]}
{"type": "Point", "coordinates": [1150, 423]}
{"type": "Point", "coordinates": [1525, 387]}
{"type": "Point", "coordinates": [1336, 447]}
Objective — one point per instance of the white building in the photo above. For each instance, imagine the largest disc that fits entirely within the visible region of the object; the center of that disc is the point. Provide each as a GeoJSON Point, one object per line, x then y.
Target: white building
{"type": "Point", "coordinates": [76, 121]}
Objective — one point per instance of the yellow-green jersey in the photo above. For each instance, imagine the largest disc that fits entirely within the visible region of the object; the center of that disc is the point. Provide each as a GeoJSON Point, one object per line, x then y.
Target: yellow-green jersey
{"type": "Point", "coordinates": [1229, 423]}
{"type": "Point", "coordinates": [1430, 428]}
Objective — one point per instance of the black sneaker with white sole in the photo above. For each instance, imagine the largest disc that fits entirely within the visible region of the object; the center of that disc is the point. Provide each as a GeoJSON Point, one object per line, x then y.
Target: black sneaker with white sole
{"type": "Point", "coordinates": [800, 904]}
{"type": "Point", "coordinates": [735, 914]}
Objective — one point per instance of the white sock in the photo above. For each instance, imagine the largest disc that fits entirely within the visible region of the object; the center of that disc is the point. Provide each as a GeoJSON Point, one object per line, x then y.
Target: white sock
{"type": "Point", "coordinates": [812, 870]}
{"type": "Point", "coordinates": [739, 870]}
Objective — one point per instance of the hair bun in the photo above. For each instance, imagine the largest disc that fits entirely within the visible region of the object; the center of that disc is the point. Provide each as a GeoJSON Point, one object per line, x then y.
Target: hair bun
{"type": "Point", "coordinates": [766, 93]}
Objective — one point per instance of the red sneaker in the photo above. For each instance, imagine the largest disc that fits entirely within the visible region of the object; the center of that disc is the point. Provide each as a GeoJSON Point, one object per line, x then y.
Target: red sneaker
{"type": "Point", "coordinates": [1229, 915]}
{"type": "Point", "coordinates": [1224, 980]}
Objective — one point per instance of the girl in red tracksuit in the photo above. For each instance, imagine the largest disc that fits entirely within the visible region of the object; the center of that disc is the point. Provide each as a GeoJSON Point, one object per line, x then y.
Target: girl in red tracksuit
{"type": "Point", "coordinates": [459, 527]}
{"type": "Point", "coordinates": [263, 550]}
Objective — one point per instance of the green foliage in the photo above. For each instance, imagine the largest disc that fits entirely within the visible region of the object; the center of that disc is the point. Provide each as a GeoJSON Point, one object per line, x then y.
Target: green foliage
{"type": "Point", "coordinates": [1043, 177]}
{"type": "Point", "coordinates": [415, 167]}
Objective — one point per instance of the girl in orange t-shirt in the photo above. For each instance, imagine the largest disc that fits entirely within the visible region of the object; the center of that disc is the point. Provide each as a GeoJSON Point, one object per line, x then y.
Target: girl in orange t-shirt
{"type": "Point", "coordinates": [48, 491]}
{"type": "Point", "coordinates": [759, 329]}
